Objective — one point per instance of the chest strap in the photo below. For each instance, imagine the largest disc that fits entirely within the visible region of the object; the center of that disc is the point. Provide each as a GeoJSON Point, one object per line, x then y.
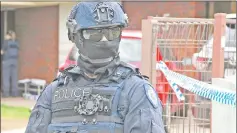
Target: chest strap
{"type": "Point", "coordinates": [76, 129]}
{"type": "Point", "coordinates": [86, 120]}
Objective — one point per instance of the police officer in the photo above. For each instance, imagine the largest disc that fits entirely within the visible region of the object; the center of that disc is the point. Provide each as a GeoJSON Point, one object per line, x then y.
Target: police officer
{"type": "Point", "coordinates": [9, 65]}
{"type": "Point", "coordinates": [100, 94]}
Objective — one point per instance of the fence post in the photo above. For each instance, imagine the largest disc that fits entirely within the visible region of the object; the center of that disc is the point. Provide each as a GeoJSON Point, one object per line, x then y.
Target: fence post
{"type": "Point", "coordinates": [148, 52]}
{"type": "Point", "coordinates": [218, 49]}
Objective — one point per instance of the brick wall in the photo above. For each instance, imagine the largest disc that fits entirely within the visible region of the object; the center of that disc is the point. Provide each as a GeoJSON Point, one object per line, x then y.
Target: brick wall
{"type": "Point", "coordinates": [37, 32]}
{"type": "Point", "coordinates": [140, 10]}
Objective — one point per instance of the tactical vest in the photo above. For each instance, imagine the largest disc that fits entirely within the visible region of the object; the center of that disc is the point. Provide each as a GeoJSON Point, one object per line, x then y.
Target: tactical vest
{"type": "Point", "coordinates": [89, 108]}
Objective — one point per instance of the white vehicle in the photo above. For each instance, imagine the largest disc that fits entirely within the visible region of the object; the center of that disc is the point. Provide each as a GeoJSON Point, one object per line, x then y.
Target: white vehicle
{"type": "Point", "coordinates": [203, 59]}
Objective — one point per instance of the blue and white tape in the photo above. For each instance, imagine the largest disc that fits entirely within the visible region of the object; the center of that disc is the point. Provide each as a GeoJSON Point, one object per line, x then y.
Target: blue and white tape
{"type": "Point", "coordinates": [200, 88]}
{"type": "Point", "coordinates": [175, 88]}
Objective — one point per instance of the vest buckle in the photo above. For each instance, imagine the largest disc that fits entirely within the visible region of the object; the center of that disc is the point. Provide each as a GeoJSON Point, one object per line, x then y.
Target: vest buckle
{"type": "Point", "coordinates": [84, 122]}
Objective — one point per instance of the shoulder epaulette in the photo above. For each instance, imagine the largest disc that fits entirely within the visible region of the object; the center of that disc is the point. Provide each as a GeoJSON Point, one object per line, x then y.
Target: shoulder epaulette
{"type": "Point", "coordinates": [136, 70]}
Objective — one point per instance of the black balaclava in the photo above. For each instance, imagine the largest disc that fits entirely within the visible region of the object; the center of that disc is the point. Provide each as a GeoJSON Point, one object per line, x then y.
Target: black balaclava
{"type": "Point", "coordinates": [92, 20]}
{"type": "Point", "coordinates": [97, 57]}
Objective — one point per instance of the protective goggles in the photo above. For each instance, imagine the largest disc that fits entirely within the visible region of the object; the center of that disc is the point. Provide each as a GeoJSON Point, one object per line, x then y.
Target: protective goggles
{"type": "Point", "coordinates": [97, 34]}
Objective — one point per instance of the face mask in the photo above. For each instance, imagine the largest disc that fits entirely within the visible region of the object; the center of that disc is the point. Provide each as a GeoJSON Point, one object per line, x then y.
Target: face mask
{"type": "Point", "coordinates": [98, 46]}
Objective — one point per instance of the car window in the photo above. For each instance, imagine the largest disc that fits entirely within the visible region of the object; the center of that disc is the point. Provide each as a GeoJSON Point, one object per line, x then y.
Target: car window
{"type": "Point", "coordinates": [130, 50]}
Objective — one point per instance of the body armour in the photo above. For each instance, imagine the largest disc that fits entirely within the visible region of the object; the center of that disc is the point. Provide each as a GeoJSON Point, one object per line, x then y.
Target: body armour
{"type": "Point", "coordinates": [89, 108]}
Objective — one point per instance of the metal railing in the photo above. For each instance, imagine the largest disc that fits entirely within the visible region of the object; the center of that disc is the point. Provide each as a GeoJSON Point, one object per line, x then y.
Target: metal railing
{"type": "Point", "coordinates": [186, 46]}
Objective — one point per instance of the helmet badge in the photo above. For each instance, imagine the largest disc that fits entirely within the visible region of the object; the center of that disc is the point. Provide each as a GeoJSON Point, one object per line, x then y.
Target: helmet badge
{"type": "Point", "coordinates": [103, 13]}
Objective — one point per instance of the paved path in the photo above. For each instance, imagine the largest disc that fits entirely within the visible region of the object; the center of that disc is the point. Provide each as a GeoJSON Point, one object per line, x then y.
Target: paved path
{"type": "Point", "coordinates": [22, 130]}
{"type": "Point", "coordinates": [189, 125]}
{"type": "Point", "coordinates": [19, 102]}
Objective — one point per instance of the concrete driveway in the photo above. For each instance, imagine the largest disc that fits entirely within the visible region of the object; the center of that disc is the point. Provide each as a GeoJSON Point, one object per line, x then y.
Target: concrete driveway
{"type": "Point", "coordinates": [18, 102]}
{"type": "Point", "coordinates": [22, 130]}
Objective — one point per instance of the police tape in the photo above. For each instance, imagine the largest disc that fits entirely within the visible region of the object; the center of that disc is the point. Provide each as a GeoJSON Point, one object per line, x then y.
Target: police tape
{"type": "Point", "coordinates": [200, 88]}
{"type": "Point", "coordinates": [175, 88]}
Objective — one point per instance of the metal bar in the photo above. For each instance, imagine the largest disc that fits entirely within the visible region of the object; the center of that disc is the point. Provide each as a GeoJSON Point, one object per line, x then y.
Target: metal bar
{"type": "Point", "coordinates": [170, 19]}
{"type": "Point", "coordinates": [180, 38]}
{"type": "Point", "coordinates": [231, 21]}
{"type": "Point", "coordinates": [146, 66]}
{"type": "Point", "coordinates": [218, 51]}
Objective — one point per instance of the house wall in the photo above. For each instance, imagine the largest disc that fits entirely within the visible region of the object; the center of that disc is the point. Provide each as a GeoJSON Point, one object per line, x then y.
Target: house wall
{"type": "Point", "coordinates": [37, 33]}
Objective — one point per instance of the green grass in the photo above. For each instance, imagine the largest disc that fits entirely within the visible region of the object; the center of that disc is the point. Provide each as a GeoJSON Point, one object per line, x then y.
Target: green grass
{"type": "Point", "coordinates": [14, 112]}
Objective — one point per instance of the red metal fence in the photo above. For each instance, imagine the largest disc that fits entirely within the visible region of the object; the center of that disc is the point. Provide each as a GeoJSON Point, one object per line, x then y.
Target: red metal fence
{"type": "Point", "coordinates": [198, 48]}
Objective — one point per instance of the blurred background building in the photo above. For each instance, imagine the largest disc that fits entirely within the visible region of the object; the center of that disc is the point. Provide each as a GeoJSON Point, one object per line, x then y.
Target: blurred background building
{"type": "Point", "coordinates": [42, 34]}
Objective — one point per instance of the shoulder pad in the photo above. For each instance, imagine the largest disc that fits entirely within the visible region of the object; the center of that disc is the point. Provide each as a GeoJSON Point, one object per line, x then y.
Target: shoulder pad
{"type": "Point", "coordinates": [121, 73]}
{"type": "Point", "coordinates": [135, 70]}
{"type": "Point", "coordinates": [127, 65]}
{"type": "Point", "coordinates": [61, 79]}
{"type": "Point", "coordinates": [74, 70]}
{"type": "Point", "coordinates": [66, 74]}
